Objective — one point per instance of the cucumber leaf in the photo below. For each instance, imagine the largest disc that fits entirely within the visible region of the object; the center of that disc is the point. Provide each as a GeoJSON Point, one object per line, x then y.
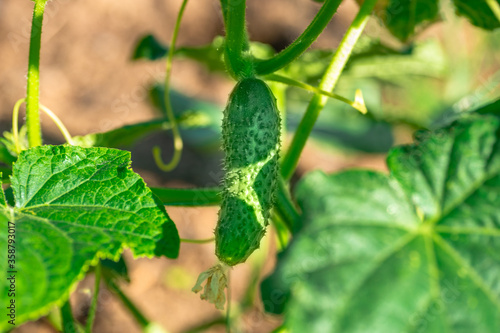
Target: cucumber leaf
{"type": "Point", "coordinates": [72, 206]}
{"type": "Point", "coordinates": [413, 251]}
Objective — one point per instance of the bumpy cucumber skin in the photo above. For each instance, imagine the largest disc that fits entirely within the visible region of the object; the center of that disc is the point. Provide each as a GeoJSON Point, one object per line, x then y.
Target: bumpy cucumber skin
{"type": "Point", "coordinates": [251, 141]}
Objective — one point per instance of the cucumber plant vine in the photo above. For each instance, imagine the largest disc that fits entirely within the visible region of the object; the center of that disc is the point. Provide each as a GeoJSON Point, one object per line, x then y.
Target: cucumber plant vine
{"type": "Point", "coordinates": [360, 251]}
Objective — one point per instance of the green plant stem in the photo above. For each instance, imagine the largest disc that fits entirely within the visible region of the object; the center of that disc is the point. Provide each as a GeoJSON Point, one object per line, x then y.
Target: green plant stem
{"type": "Point", "coordinates": [495, 8]}
{"type": "Point", "coordinates": [286, 208]}
{"type": "Point", "coordinates": [136, 313]}
{"type": "Point", "coordinates": [358, 104]}
{"type": "Point", "coordinates": [281, 229]}
{"type": "Point", "coordinates": [188, 196]}
{"type": "Point", "coordinates": [54, 318]}
{"type": "Point", "coordinates": [328, 82]}
{"type": "Point", "coordinates": [302, 43]}
{"type": "Point", "coordinates": [33, 85]}
{"type": "Point", "coordinates": [212, 197]}
{"type": "Point", "coordinates": [178, 144]}
{"type": "Point", "coordinates": [198, 241]}
{"type": "Point", "coordinates": [238, 63]}
{"type": "Point", "coordinates": [93, 305]}
{"type": "Point", "coordinates": [68, 322]}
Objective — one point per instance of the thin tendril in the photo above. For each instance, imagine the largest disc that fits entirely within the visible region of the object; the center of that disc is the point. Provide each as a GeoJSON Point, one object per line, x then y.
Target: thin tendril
{"type": "Point", "coordinates": [15, 124]}
{"type": "Point", "coordinates": [178, 144]}
{"type": "Point", "coordinates": [59, 124]}
{"type": "Point", "coordinates": [197, 241]}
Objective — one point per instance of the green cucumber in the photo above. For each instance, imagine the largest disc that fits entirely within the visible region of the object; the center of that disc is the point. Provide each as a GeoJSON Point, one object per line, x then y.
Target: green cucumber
{"type": "Point", "coordinates": [251, 142]}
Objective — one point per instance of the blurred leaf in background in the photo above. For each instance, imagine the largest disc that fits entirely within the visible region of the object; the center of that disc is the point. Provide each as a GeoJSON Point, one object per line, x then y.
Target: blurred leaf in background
{"type": "Point", "coordinates": [415, 250]}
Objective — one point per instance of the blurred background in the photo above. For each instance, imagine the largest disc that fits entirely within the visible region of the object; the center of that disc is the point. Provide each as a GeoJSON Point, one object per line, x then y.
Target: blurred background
{"type": "Point", "coordinates": [89, 80]}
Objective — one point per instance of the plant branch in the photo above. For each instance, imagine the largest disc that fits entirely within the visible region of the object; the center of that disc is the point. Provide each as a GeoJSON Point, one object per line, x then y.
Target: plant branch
{"type": "Point", "coordinates": [358, 102]}
{"type": "Point", "coordinates": [281, 230]}
{"type": "Point", "coordinates": [68, 322]}
{"type": "Point", "coordinates": [212, 197]}
{"type": "Point", "coordinates": [33, 85]}
{"type": "Point", "coordinates": [236, 55]}
{"type": "Point", "coordinates": [330, 79]}
{"type": "Point", "coordinates": [286, 208]}
{"type": "Point", "coordinates": [178, 144]}
{"type": "Point", "coordinates": [93, 305]}
{"type": "Point", "coordinates": [188, 196]}
{"type": "Point", "coordinates": [302, 43]}
{"type": "Point", "coordinates": [136, 313]}
{"type": "Point", "coordinates": [197, 241]}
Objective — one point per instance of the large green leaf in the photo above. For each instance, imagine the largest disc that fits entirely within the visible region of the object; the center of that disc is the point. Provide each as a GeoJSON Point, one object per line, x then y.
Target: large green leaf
{"type": "Point", "coordinates": [417, 250]}
{"type": "Point", "coordinates": [478, 13]}
{"type": "Point", "coordinates": [74, 205]}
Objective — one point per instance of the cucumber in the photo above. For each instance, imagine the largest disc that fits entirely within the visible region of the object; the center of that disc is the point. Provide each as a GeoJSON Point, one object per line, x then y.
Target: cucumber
{"type": "Point", "coordinates": [251, 142]}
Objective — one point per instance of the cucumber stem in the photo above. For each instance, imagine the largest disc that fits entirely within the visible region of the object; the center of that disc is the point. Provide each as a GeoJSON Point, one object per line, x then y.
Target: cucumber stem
{"type": "Point", "coordinates": [286, 208]}
{"type": "Point", "coordinates": [33, 85]}
{"type": "Point", "coordinates": [68, 322]}
{"type": "Point", "coordinates": [302, 43]}
{"type": "Point", "coordinates": [93, 305]}
{"type": "Point", "coordinates": [197, 241]}
{"type": "Point", "coordinates": [210, 196]}
{"type": "Point", "coordinates": [328, 82]}
{"type": "Point", "coordinates": [357, 104]}
{"type": "Point", "coordinates": [136, 313]}
{"type": "Point", "coordinates": [237, 58]}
